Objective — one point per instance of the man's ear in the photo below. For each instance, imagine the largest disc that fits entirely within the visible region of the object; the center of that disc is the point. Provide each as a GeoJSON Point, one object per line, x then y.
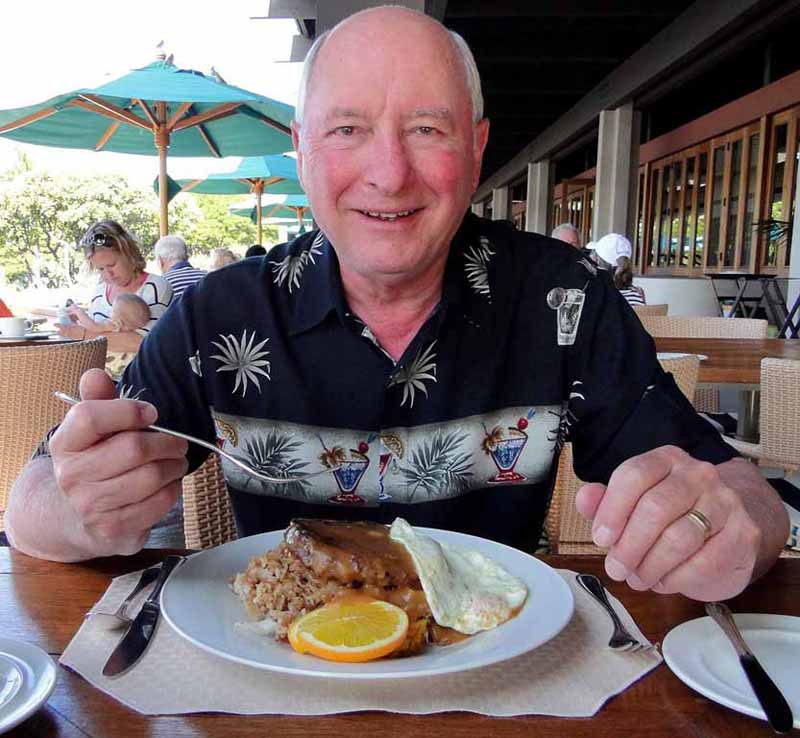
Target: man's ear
{"type": "Point", "coordinates": [481, 137]}
{"type": "Point", "coordinates": [296, 144]}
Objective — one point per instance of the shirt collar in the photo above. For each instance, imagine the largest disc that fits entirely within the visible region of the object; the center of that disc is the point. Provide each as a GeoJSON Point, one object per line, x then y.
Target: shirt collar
{"type": "Point", "coordinates": [320, 291]}
{"type": "Point", "coordinates": [179, 265]}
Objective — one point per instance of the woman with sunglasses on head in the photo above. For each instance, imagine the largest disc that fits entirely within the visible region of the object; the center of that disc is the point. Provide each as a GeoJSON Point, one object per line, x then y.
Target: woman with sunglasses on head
{"type": "Point", "coordinates": [115, 254]}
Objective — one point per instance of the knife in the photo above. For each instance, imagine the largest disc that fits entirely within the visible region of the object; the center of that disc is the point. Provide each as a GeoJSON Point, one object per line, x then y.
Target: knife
{"type": "Point", "coordinates": [136, 639]}
{"type": "Point", "coordinates": [774, 704]}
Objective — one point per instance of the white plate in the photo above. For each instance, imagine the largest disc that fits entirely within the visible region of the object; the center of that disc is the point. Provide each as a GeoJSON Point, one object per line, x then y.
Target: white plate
{"type": "Point", "coordinates": [27, 678]}
{"type": "Point", "coordinates": [33, 336]}
{"type": "Point", "coordinates": [199, 604]}
{"type": "Point", "coordinates": [678, 355]}
{"type": "Point", "coordinates": [700, 655]}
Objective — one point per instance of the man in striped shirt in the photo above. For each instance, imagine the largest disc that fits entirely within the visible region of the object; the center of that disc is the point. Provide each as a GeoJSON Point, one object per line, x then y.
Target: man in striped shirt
{"type": "Point", "coordinates": [173, 261]}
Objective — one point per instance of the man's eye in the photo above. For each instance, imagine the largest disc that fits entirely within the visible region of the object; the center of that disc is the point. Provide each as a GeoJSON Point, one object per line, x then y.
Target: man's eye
{"type": "Point", "coordinates": [345, 130]}
{"type": "Point", "coordinates": [426, 130]}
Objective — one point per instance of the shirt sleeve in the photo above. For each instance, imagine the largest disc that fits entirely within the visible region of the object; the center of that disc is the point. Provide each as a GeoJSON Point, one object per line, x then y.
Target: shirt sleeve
{"type": "Point", "coordinates": [157, 293]}
{"type": "Point", "coordinates": [621, 402]}
{"type": "Point", "coordinates": [167, 373]}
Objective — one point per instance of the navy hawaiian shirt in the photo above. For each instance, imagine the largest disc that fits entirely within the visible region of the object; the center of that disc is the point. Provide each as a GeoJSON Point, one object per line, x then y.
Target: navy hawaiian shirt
{"type": "Point", "coordinates": [528, 346]}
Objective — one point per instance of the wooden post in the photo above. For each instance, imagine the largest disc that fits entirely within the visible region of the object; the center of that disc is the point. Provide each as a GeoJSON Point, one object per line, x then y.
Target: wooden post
{"type": "Point", "coordinates": [258, 189]}
{"type": "Point", "coordinates": [162, 144]}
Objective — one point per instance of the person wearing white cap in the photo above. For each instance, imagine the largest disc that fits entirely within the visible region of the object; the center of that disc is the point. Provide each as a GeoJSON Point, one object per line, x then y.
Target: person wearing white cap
{"type": "Point", "coordinates": [614, 253]}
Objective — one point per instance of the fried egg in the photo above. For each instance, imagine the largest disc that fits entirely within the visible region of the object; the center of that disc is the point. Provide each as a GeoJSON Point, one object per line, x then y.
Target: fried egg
{"type": "Point", "coordinates": [466, 591]}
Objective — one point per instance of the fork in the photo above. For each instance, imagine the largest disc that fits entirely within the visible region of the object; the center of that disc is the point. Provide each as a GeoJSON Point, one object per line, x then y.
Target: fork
{"type": "Point", "coordinates": [243, 465]}
{"type": "Point", "coordinates": [120, 617]}
{"type": "Point", "coordinates": [621, 639]}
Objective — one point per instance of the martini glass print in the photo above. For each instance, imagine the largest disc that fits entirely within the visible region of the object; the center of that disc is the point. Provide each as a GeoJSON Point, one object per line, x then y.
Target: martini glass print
{"type": "Point", "coordinates": [505, 455]}
{"type": "Point", "coordinates": [347, 477]}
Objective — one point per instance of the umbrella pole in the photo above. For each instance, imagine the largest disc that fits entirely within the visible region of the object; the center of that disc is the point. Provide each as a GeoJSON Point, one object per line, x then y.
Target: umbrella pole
{"type": "Point", "coordinates": [162, 143]}
{"type": "Point", "coordinates": [258, 188]}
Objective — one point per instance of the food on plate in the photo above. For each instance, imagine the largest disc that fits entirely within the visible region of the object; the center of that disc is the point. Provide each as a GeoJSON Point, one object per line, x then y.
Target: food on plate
{"type": "Point", "coordinates": [351, 629]}
{"type": "Point", "coordinates": [324, 567]}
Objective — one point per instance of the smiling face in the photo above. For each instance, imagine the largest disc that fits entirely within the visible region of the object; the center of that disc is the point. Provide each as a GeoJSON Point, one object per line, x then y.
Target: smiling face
{"type": "Point", "coordinates": [387, 150]}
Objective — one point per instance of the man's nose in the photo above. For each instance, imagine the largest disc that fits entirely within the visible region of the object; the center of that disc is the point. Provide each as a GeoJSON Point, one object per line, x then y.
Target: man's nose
{"type": "Point", "coordinates": [388, 167]}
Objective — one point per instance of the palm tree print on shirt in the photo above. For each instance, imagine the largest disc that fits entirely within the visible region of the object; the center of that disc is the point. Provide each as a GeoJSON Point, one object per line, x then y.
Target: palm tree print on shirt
{"type": "Point", "coordinates": [438, 467]}
{"type": "Point", "coordinates": [290, 269]}
{"type": "Point", "coordinates": [477, 266]}
{"type": "Point", "coordinates": [242, 357]}
{"type": "Point", "coordinates": [272, 454]}
{"type": "Point", "coordinates": [414, 376]}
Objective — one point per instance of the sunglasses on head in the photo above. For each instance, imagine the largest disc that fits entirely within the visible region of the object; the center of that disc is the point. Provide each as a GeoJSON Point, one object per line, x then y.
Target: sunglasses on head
{"type": "Point", "coordinates": [97, 239]}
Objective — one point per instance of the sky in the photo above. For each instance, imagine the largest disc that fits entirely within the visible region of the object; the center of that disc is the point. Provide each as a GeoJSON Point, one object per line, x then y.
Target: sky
{"type": "Point", "coordinates": [50, 47]}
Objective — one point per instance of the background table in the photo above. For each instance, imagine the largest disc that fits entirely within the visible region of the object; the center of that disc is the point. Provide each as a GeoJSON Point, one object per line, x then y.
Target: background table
{"type": "Point", "coordinates": [44, 603]}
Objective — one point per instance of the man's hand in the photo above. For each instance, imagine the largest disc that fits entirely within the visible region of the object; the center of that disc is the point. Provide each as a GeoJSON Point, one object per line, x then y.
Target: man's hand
{"type": "Point", "coordinates": [642, 518]}
{"type": "Point", "coordinates": [118, 478]}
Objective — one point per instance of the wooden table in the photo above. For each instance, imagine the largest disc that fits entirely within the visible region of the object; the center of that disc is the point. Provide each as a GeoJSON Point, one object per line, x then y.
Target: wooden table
{"type": "Point", "coordinates": [44, 603]}
{"type": "Point", "coordinates": [732, 360]}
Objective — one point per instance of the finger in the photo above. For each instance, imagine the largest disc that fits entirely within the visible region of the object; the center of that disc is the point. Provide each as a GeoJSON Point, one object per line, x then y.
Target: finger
{"type": "Point", "coordinates": [656, 511]}
{"type": "Point", "coordinates": [678, 542]}
{"type": "Point", "coordinates": [97, 385]}
{"type": "Point", "coordinates": [117, 455]}
{"type": "Point", "coordinates": [628, 483]}
{"type": "Point", "coordinates": [91, 421]}
{"type": "Point", "coordinates": [99, 498]}
{"type": "Point", "coordinates": [588, 499]}
{"type": "Point", "coordinates": [732, 550]}
{"type": "Point", "coordinates": [125, 530]}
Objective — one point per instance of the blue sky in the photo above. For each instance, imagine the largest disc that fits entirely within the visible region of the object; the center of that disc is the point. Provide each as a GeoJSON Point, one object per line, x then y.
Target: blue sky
{"type": "Point", "coordinates": [50, 47]}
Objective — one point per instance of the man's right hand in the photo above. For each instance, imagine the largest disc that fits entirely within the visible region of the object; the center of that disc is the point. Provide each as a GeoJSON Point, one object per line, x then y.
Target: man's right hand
{"type": "Point", "coordinates": [117, 477]}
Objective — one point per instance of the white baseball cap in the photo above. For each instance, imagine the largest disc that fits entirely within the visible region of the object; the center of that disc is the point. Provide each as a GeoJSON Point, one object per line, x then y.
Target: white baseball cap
{"type": "Point", "coordinates": [610, 247]}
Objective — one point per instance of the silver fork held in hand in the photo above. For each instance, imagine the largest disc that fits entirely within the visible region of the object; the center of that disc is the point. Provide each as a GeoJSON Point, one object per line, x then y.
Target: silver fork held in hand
{"type": "Point", "coordinates": [621, 639]}
{"type": "Point", "coordinates": [244, 466]}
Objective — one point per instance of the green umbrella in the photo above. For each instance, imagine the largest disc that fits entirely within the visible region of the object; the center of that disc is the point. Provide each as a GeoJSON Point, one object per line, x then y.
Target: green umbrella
{"type": "Point", "coordinates": [155, 109]}
{"type": "Point", "coordinates": [255, 174]}
{"type": "Point", "coordinates": [277, 208]}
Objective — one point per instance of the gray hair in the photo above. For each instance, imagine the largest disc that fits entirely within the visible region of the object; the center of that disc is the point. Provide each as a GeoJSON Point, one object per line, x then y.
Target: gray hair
{"type": "Point", "coordinates": [171, 248]}
{"type": "Point", "coordinates": [473, 77]}
{"type": "Point", "coordinates": [564, 228]}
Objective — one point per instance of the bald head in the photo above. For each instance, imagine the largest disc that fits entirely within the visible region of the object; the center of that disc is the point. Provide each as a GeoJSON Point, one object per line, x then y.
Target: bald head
{"type": "Point", "coordinates": [411, 28]}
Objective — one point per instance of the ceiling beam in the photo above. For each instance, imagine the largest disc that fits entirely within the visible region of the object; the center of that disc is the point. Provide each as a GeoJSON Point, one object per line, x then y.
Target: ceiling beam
{"type": "Point", "coordinates": [697, 30]}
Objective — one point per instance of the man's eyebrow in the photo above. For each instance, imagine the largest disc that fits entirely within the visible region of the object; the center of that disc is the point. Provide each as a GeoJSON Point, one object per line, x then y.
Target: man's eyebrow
{"type": "Point", "coordinates": [346, 114]}
{"type": "Point", "coordinates": [436, 113]}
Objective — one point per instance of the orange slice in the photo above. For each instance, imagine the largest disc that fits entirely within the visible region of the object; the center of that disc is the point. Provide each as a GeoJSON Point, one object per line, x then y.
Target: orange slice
{"type": "Point", "coordinates": [355, 630]}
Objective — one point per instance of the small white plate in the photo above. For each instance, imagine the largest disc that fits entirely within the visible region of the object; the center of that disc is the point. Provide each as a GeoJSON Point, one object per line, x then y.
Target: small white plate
{"type": "Point", "coordinates": [700, 655]}
{"type": "Point", "coordinates": [678, 355]}
{"type": "Point", "coordinates": [33, 336]}
{"type": "Point", "coordinates": [198, 603]}
{"type": "Point", "coordinates": [27, 678]}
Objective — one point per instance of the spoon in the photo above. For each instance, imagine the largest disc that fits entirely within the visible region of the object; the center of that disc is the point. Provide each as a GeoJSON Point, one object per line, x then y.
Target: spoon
{"type": "Point", "coordinates": [244, 466]}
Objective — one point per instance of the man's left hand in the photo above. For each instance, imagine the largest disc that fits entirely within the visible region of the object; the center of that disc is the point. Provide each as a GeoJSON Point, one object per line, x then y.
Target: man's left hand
{"type": "Point", "coordinates": [642, 517]}
{"type": "Point", "coordinates": [72, 330]}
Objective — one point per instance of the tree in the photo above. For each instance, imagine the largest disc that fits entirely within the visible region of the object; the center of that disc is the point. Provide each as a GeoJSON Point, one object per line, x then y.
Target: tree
{"type": "Point", "coordinates": [42, 219]}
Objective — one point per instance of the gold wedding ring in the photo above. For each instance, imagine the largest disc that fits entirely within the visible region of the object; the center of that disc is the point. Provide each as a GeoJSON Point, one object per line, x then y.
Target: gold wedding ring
{"type": "Point", "coordinates": [700, 520]}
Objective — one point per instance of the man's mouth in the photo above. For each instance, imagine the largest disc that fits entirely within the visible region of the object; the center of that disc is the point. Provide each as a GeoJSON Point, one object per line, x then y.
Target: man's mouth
{"type": "Point", "coordinates": [379, 215]}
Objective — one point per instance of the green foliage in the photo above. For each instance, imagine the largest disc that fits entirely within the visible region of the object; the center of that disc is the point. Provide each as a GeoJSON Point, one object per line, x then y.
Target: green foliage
{"type": "Point", "coordinates": [42, 218]}
{"type": "Point", "coordinates": [215, 226]}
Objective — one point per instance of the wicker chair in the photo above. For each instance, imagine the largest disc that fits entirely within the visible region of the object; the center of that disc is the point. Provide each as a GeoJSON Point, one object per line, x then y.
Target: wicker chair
{"type": "Point", "coordinates": [779, 417]}
{"type": "Point", "coordinates": [207, 513]}
{"type": "Point", "coordinates": [567, 530]}
{"type": "Point", "coordinates": [650, 309]}
{"type": "Point", "coordinates": [707, 398]}
{"type": "Point", "coordinates": [30, 375]}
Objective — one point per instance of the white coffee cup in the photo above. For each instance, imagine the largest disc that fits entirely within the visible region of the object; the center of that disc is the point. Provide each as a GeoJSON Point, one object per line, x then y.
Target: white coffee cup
{"type": "Point", "coordinates": [14, 327]}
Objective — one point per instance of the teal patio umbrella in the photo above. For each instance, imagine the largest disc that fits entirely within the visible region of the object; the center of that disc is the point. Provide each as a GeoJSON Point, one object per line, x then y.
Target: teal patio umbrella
{"type": "Point", "coordinates": [154, 110]}
{"type": "Point", "coordinates": [277, 208]}
{"type": "Point", "coordinates": [255, 174]}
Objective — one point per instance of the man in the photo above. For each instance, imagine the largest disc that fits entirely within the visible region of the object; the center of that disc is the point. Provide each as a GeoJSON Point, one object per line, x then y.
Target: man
{"type": "Point", "coordinates": [434, 360]}
{"type": "Point", "coordinates": [567, 233]}
{"type": "Point", "coordinates": [173, 261]}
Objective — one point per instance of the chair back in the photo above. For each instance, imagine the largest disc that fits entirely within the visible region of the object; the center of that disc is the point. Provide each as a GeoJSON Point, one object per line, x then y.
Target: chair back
{"type": "Point", "coordinates": [207, 513]}
{"type": "Point", "coordinates": [779, 414]}
{"type": "Point", "coordinates": [28, 409]}
{"type": "Point", "coordinates": [691, 326]}
{"type": "Point", "coordinates": [650, 309]}
{"type": "Point", "coordinates": [685, 370]}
